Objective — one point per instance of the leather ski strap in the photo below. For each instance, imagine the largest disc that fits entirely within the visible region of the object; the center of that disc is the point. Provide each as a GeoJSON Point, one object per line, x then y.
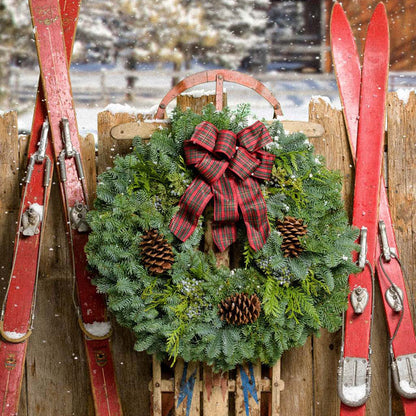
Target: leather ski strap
{"type": "Point", "coordinates": [389, 271]}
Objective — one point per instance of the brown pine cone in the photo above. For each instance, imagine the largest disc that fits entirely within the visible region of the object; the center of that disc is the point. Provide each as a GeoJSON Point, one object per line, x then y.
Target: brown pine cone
{"type": "Point", "coordinates": [291, 229]}
{"type": "Point", "coordinates": [240, 309]}
{"type": "Point", "coordinates": [156, 252]}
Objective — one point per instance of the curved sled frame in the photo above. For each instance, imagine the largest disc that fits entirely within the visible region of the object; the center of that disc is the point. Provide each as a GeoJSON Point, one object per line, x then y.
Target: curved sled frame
{"type": "Point", "coordinates": [219, 76]}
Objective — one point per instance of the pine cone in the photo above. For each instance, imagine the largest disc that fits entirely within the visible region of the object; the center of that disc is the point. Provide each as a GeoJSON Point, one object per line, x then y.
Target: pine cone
{"type": "Point", "coordinates": [156, 252]}
{"type": "Point", "coordinates": [291, 229]}
{"type": "Point", "coordinates": [240, 309]}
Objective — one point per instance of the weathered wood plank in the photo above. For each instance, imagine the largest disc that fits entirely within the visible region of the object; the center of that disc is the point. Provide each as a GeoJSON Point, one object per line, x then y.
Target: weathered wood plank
{"type": "Point", "coordinates": [401, 169]}
{"type": "Point", "coordinates": [197, 101]}
{"type": "Point", "coordinates": [277, 385]}
{"type": "Point", "coordinates": [192, 370]}
{"type": "Point", "coordinates": [108, 148]}
{"type": "Point", "coordinates": [144, 129]}
{"type": "Point", "coordinates": [333, 145]}
{"type": "Point", "coordinates": [11, 156]}
{"type": "Point", "coordinates": [215, 392]}
{"type": "Point", "coordinates": [156, 388]}
{"type": "Point", "coordinates": [254, 406]}
{"type": "Point", "coordinates": [297, 372]}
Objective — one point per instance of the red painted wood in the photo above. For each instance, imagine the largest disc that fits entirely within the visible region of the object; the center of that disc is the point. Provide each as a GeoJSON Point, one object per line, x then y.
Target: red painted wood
{"type": "Point", "coordinates": [58, 95]}
{"type": "Point", "coordinates": [403, 344]}
{"type": "Point", "coordinates": [211, 76]}
{"type": "Point", "coordinates": [104, 388]}
{"type": "Point", "coordinates": [52, 52]}
{"type": "Point", "coordinates": [18, 305]}
{"type": "Point", "coordinates": [348, 70]}
{"type": "Point", "coordinates": [12, 361]}
{"type": "Point", "coordinates": [368, 168]}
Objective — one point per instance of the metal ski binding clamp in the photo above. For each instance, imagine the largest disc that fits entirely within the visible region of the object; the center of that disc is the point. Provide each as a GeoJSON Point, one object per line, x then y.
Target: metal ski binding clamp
{"type": "Point", "coordinates": [66, 137]}
{"type": "Point", "coordinates": [78, 214]}
{"type": "Point", "coordinates": [359, 299]}
{"type": "Point", "coordinates": [30, 222]}
{"type": "Point", "coordinates": [354, 381]}
{"type": "Point", "coordinates": [394, 297]}
{"type": "Point", "coordinates": [387, 250]}
{"type": "Point", "coordinates": [40, 154]}
{"type": "Point", "coordinates": [404, 374]}
{"type": "Point", "coordinates": [362, 258]}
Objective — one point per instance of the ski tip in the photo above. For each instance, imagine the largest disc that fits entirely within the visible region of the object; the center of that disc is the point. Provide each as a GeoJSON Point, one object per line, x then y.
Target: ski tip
{"type": "Point", "coordinates": [337, 12]}
{"type": "Point", "coordinates": [380, 12]}
{"type": "Point", "coordinates": [379, 24]}
{"type": "Point", "coordinates": [338, 18]}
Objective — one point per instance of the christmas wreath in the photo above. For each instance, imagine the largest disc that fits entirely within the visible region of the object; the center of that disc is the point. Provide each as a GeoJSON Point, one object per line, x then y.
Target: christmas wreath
{"type": "Point", "coordinates": [146, 241]}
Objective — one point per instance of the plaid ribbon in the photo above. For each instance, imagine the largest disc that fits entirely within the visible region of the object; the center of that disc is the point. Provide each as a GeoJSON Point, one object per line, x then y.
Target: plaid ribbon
{"type": "Point", "coordinates": [229, 167]}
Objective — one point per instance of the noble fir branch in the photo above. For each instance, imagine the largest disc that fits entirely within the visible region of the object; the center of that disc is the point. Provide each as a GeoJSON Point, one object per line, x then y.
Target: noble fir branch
{"type": "Point", "coordinates": [176, 313]}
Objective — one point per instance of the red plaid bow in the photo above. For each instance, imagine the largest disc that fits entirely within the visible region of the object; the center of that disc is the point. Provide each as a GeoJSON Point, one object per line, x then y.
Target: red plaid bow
{"type": "Point", "coordinates": [230, 174]}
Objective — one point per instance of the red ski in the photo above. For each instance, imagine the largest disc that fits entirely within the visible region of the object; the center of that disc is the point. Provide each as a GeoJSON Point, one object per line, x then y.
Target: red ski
{"type": "Point", "coordinates": [54, 40]}
{"type": "Point", "coordinates": [17, 315]}
{"type": "Point", "coordinates": [389, 272]}
{"type": "Point", "coordinates": [364, 102]}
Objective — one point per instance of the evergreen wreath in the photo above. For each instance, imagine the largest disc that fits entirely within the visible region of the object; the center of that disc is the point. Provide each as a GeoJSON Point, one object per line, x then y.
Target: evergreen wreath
{"type": "Point", "coordinates": [185, 306]}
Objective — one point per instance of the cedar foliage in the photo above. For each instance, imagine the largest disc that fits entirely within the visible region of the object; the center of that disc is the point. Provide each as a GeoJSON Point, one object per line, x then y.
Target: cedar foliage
{"type": "Point", "coordinates": [176, 314]}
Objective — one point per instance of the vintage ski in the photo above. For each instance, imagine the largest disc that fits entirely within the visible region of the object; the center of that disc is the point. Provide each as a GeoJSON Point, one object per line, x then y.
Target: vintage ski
{"type": "Point", "coordinates": [389, 271]}
{"type": "Point", "coordinates": [50, 43]}
{"type": "Point", "coordinates": [366, 117]}
{"type": "Point", "coordinates": [17, 313]}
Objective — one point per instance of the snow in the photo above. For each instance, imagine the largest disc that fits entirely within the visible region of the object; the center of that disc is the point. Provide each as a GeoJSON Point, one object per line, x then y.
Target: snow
{"type": "Point", "coordinates": [98, 329]}
{"type": "Point", "coordinates": [406, 387]}
{"type": "Point", "coordinates": [94, 90]}
{"type": "Point", "coordinates": [404, 94]}
{"type": "Point", "coordinates": [121, 108]}
{"type": "Point", "coordinates": [13, 335]}
{"type": "Point", "coordinates": [354, 393]}
{"type": "Point", "coordinates": [317, 98]}
{"type": "Point", "coordinates": [200, 93]}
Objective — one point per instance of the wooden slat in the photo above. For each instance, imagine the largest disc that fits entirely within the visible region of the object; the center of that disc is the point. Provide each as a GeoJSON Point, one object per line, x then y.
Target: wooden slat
{"type": "Point", "coordinates": [198, 102]}
{"type": "Point", "coordinates": [254, 407]}
{"type": "Point", "coordinates": [401, 168]}
{"type": "Point", "coordinates": [12, 156]}
{"type": "Point", "coordinates": [215, 393]}
{"type": "Point", "coordinates": [335, 148]}
{"type": "Point", "coordinates": [108, 148]}
{"type": "Point", "coordinates": [127, 131]}
{"type": "Point", "coordinates": [181, 409]}
{"type": "Point", "coordinates": [157, 388]}
{"type": "Point", "coordinates": [277, 385]}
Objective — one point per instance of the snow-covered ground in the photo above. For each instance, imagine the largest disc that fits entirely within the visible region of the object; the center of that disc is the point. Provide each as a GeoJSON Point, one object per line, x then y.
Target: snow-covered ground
{"type": "Point", "coordinates": [96, 87]}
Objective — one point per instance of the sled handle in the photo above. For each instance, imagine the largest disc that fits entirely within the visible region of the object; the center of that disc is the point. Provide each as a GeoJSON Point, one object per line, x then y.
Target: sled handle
{"type": "Point", "coordinates": [219, 76]}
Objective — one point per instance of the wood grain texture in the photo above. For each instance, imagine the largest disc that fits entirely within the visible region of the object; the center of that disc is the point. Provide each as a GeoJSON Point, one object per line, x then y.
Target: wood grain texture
{"type": "Point", "coordinates": [12, 155]}
{"type": "Point", "coordinates": [57, 383]}
{"type": "Point", "coordinates": [333, 145]}
{"type": "Point", "coordinates": [215, 392]}
{"type": "Point", "coordinates": [108, 148]}
{"type": "Point", "coordinates": [197, 103]}
{"type": "Point", "coordinates": [401, 170]}
{"type": "Point", "coordinates": [297, 372]}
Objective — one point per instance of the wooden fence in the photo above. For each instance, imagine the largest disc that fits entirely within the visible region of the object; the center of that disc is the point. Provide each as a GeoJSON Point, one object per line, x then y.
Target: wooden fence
{"type": "Point", "coordinates": [56, 380]}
